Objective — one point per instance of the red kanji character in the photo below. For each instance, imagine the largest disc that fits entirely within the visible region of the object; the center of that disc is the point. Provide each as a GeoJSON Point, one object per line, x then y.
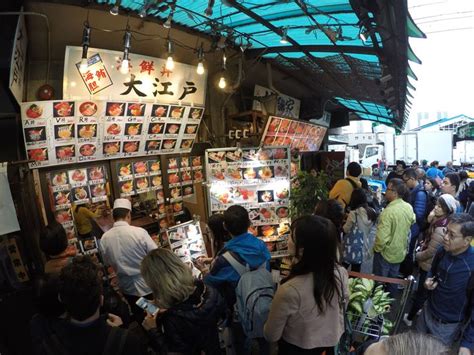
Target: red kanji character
{"type": "Point", "coordinates": [93, 86]}
{"type": "Point", "coordinates": [146, 66]}
{"type": "Point", "coordinates": [100, 74]}
{"type": "Point", "coordinates": [165, 71]}
{"type": "Point", "coordinates": [88, 76]}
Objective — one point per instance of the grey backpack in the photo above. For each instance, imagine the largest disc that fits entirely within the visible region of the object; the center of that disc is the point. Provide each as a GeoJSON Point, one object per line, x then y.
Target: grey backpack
{"type": "Point", "coordinates": [254, 294]}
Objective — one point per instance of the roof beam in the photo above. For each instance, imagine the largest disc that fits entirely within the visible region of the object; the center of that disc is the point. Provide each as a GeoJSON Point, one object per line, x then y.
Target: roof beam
{"type": "Point", "coordinates": [313, 48]}
{"type": "Point", "coordinates": [277, 30]}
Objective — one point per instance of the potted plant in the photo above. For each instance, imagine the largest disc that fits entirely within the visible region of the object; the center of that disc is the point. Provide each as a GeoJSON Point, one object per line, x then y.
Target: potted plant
{"type": "Point", "coordinates": [307, 188]}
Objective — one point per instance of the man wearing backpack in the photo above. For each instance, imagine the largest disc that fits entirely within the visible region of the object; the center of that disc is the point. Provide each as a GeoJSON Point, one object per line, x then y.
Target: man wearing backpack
{"type": "Point", "coordinates": [225, 275]}
{"type": "Point", "coordinates": [343, 188]}
{"type": "Point", "coordinates": [448, 313]}
{"type": "Point", "coordinates": [84, 330]}
{"type": "Point", "coordinates": [419, 201]}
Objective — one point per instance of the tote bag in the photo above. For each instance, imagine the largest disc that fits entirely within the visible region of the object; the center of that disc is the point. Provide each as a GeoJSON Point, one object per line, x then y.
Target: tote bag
{"type": "Point", "coordinates": [353, 245]}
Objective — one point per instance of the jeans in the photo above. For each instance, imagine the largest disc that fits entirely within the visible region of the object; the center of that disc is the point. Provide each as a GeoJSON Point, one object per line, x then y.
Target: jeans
{"type": "Point", "coordinates": [420, 296]}
{"type": "Point", "coordinates": [383, 268]}
{"type": "Point", "coordinates": [446, 332]}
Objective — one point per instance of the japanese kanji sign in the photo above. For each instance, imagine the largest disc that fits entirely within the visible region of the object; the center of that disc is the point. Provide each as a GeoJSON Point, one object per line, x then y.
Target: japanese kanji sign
{"type": "Point", "coordinates": [147, 79]}
{"type": "Point", "coordinates": [96, 78]}
{"type": "Point", "coordinates": [17, 66]}
{"type": "Point", "coordinates": [283, 105]}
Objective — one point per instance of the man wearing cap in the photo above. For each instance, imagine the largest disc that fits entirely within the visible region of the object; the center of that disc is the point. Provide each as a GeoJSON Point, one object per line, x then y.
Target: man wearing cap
{"type": "Point", "coordinates": [124, 247]}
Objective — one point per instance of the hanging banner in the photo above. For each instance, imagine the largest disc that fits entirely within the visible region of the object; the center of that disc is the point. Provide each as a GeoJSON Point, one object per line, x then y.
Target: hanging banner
{"type": "Point", "coordinates": [146, 80]}
{"type": "Point", "coordinates": [8, 218]}
{"type": "Point", "coordinates": [17, 65]}
{"type": "Point", "coordinates": [285, 106]}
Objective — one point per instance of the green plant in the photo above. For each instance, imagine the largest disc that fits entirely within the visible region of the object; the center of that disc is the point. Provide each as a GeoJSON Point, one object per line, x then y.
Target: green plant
{"type": "Point", "coordinates": [306, 190]}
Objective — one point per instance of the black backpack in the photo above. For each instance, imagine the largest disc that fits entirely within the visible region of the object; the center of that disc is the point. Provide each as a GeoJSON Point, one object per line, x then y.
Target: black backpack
{"type": "Point", "coordinates": [470, 283]}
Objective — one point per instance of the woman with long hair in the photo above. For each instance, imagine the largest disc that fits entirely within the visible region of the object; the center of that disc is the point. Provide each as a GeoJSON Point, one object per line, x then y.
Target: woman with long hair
{"type": "Point", "coordinates": [360, 218]}
{"type": "Point", "coordinates": [431, 187]}
{"type": "Point", "coordinates": [438, 220]}
{"type": "Point", "coordinates": [307, 313]}
{"type": "Point", "coordinates": [189, 310]}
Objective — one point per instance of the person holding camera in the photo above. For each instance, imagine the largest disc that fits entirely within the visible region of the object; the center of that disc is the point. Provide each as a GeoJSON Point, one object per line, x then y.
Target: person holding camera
{"type": "Point", "coordinates": [448, 312]}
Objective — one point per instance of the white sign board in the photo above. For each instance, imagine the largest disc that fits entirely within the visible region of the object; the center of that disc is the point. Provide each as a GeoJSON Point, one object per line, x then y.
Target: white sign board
{"type": "Point", "coordinates": [8, 218]}
{"type": "Point", "coordinates": [286, 106]}
{"type": "Point", "coordinates": [324, 121]}
{"type": "Point", "coordinates": [17, 66]}
{"type": "Point", "coordinates": [362, 138]}
{"type": "Point", "coordinates": [146, 80]}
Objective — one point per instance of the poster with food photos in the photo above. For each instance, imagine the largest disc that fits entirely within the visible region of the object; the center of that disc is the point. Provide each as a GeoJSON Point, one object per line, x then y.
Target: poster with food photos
{"type": "Point", "coordinates": [62, 132]}
{"type": "Point", "coordinates": [299, 135]}
{"type": "Point", "coordinates": [71, 187]}
{"type": "Point", "coordinates": [141, 175]}
{"type": "Point", "coordinates": [186, 241]}
{"type": "Point", "coordinates": [257, 179]}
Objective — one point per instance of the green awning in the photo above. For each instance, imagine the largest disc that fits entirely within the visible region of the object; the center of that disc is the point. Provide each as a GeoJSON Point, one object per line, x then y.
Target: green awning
{"type": "Point", "coordinates": [412, 29]}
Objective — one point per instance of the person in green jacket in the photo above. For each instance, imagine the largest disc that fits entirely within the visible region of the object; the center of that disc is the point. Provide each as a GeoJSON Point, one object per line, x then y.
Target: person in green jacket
{"type": "Point", "coordinates": [393, 230]}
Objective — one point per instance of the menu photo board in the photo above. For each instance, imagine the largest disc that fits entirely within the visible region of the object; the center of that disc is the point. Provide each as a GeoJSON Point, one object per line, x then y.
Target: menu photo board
{"type": "Point", "coordinates": [299, 135]}
{"type": "Point", "coordinates": [259, 180]}
{"type": "Point", "coordinates": [71, 187]}
{"type": "Point", "coordinates": [186, 241]}
{"type": "Point", "coordinates": [62, 132]}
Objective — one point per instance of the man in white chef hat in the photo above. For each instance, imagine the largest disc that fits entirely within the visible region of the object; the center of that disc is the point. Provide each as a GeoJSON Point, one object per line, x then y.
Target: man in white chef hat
{"type": "Point", "coordinates": [124, 247]}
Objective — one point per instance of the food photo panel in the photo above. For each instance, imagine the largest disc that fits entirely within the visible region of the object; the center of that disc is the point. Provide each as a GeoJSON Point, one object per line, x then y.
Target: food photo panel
{"type": "Point", "coordinates": [159, 111]}
{"type": "Point", "coordinates": [195, 113]}
{"type": "Point", "coordinates": [115, 109]}
{"type": "Point", "coordinates": [111, 149]}
{"type": "Point", "coordinates": [177, 112]}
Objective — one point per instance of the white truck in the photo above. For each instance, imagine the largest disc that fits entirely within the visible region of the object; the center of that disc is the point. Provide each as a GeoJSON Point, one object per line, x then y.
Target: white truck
{"type": "Point", "coordinates": [465, 152]}
{"type": "Point", "coordinates": [434, 145]}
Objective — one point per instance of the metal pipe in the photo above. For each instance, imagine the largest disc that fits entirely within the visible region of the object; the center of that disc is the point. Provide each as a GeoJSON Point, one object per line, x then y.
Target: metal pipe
{"type": "Point", "coordinates": [30, 13]}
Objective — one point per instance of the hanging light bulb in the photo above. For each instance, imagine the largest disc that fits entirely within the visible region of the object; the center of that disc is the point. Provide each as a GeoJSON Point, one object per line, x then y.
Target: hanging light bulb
{"type": "Point", "coordinates": [86, 35]}
{"type": "Point", "coordinates": [115, 9]}
{"type": "Point", "coordinates": [83, 66]}
{"type": "Point", "coordinates": [200, 66]}
{"type": "Point", "coordinates": [222, 83]}
{"type": "Point", "coordinates": [142, 12]}
{"type": "Point", "coordinates": [284, 35]}
{"type": "Point", "coordinates": [169, 61]}
{"type": "Point", "coordinates": [126, 50]}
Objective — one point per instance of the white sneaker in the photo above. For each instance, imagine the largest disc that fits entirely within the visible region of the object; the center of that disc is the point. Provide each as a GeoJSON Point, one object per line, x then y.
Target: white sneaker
{"type": "Point", "coordinates": [408, 322]}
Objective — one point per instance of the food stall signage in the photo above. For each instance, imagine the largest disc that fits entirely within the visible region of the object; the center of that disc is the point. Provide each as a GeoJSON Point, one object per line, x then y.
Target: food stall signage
{"type": "Point", "coordinates": [285, 105]}
{"type": "Point", "coordinates": [17, 66]}
{"type": "Point", "coordinates": [147, 78]}
{"type": "Point", "coordinates": [96, 78]}
{"type": "Point", "coordinates": [299, 135]}
{"type": "Point", "coordinates": [62, 132]}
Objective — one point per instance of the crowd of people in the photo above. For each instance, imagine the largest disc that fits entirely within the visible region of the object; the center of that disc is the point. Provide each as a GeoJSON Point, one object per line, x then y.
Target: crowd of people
{"type": "Point", "coordinates": [235, 306]}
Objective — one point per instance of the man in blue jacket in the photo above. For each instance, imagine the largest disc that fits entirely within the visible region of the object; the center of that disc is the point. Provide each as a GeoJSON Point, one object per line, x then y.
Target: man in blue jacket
{"type": "Point", "coordinates": [247, 249]}
{"type": "Point", "coordinates": [418, 200]}
{"type": "Point", "coordinates": [448, 313]}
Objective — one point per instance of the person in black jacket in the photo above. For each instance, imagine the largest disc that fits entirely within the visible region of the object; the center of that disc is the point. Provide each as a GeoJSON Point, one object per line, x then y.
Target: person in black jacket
{"type": "Point", "coordinates": [189, 309]}
{"type": "Point", "coordinates": [398, 172]}
{"type": "Point", "coordinates": [84, 331]}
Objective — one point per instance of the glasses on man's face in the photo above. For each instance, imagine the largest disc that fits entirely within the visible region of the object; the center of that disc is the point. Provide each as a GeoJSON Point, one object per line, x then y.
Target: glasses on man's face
{"type": "Point", "coordinates": [450, 234]}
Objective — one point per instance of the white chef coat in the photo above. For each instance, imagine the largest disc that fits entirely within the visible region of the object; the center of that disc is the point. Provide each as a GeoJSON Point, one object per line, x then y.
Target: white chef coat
{"type": "Point", "coordinates": [124, 247]}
